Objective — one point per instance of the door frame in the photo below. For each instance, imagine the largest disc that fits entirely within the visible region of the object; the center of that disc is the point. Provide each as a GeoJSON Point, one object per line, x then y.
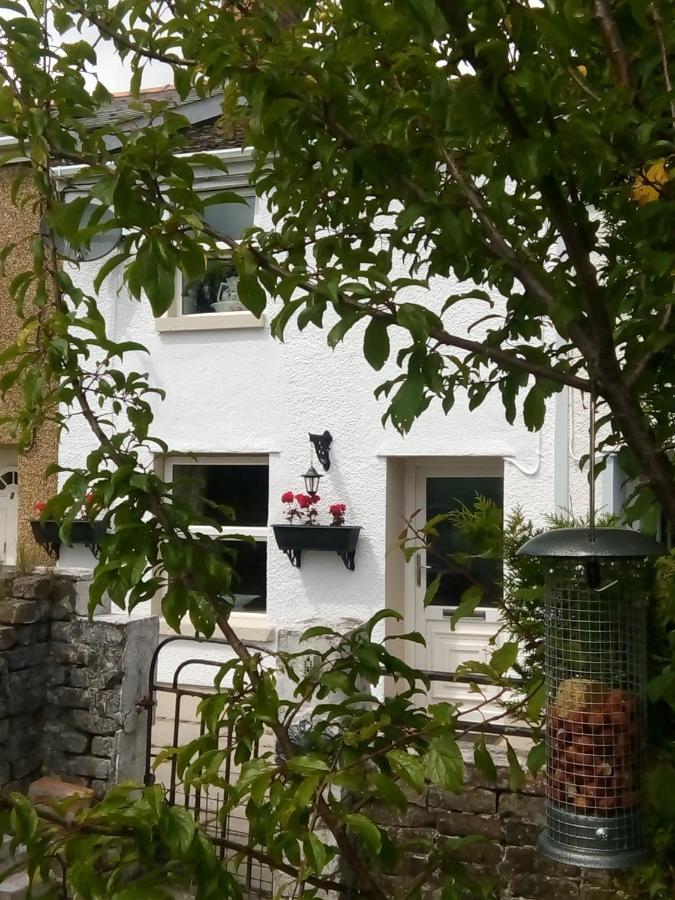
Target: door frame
{"type": "Point", "coordinates": [14, 470]}
{"type": "Point", "coordinates": [453, 467]}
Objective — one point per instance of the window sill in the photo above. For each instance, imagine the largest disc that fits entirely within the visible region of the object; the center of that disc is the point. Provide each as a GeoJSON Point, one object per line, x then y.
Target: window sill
{"type": "Point", "coordinates": [209, 321]}
{"type": "Point", "coordinates": [249, 627]}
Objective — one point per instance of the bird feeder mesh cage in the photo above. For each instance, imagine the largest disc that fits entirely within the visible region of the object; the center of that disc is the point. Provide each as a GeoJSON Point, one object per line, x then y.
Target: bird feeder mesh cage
{"type": "Point", "coordinates": [595, 667]}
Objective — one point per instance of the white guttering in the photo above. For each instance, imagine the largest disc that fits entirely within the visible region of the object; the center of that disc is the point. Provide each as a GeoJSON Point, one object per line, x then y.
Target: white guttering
{"type": "Point", "coordinates": [227, 154]}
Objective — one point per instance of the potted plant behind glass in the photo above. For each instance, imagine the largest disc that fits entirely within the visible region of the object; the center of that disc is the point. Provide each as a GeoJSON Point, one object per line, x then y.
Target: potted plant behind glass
{"type": "Point", "coordinates": [302, 531]}
{"type": "Point", "coordinates": [82, 530]}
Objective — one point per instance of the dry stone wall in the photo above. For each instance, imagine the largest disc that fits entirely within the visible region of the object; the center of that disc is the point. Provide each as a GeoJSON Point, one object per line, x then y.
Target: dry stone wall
{"type": "Point", "coordinates": [511, 822]}
{"type": "Point", "coordinates": [71, 689]}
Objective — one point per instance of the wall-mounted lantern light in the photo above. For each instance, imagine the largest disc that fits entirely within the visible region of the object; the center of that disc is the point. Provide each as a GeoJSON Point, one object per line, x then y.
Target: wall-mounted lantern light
{"type": "Point", "coordinates": [312, 479]}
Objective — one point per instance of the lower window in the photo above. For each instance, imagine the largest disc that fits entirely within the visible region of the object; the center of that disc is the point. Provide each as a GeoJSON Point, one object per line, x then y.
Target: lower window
{"type": "Point", "coordinates": [242, 484]}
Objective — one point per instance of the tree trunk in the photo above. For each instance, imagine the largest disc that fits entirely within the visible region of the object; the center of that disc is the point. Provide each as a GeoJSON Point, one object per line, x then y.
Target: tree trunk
{"type": "Point", "coordinates": [657, 468]}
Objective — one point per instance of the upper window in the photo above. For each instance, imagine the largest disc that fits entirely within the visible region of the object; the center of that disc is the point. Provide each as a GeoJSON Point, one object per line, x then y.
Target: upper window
{"type": "Point", "coordinates": [241, 483]}
{"type": "Point", "coordinates": [212, 301]}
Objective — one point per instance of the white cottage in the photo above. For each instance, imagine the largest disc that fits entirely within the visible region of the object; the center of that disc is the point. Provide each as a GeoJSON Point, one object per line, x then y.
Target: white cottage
{"type": "Point", "coordinates": [238, 410]}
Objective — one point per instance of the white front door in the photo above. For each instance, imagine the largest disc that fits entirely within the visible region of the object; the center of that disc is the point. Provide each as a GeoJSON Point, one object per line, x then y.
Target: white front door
{"type": "Point", "coordinates": [9, 504]}
{"type": "Point", "coordinates": [434, 490]}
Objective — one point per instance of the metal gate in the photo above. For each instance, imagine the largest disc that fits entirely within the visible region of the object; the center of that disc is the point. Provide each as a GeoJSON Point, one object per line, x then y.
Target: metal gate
{"type": "Point", "coordinates": [171, 715]}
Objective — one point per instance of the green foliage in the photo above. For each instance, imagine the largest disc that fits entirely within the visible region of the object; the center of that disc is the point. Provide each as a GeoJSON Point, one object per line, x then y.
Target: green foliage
{"type": "Point", "coordinates": [505, 147]}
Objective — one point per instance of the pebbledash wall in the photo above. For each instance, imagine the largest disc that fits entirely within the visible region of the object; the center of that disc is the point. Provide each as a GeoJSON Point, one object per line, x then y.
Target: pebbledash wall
{"type": "Point", "coordinates": [18, 225]}
{"type": "Point", "coordinates": [239, 391]}
{"type": "Point", "coordinates": [71, 689]}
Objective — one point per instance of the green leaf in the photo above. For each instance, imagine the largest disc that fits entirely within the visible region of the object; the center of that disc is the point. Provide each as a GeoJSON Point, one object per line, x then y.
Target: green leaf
{"type": "Point", "coordinates": [661, 785]}
{"type": "Point", "coordinates": [367, 831]}
{"type": "Point", "coordinates": [536, 757]}
{"type": "Point", "coordinates": [483, 759]}
{"type": "Point", "coordinates": [409, 768]}
{"type": "Point", "coordinates": [376, 344]}
{"type": "Point", "coordinates": [178, 828]}
{"type": "Point", "coordinates": [251, 294]}
{"type": "Point", "coordinates": [516, 773]}
{"type": "Point", "coordinates": [471, 598]}
{"type": "Point", "coordinates": [432, 590]}
{"type": "Point", "coordinates": [315, 852]}
{"type": "Point", "coordinates": [534, 408]}
{"type": "Point", "coordinates": [504, 657]}
{"type": "Point", "coordinates": [443, 763]}
{"type": "Point", "coordinates": [308, 764]}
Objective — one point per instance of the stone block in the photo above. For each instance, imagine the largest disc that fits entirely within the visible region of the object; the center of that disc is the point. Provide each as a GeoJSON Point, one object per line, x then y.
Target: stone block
{"type": "Point", "coordinates": [524, 808]}
{"type": "Point", "coordinates": [28, 657]}
{"type": "Point", "coordinates": [74, 698]}
{"type": "Point", "coordinates": [31, 587]}
{"type": "Point", "coordinates": [108, 702]}
{"type": "Point", "coordinates": [80, 678]}
{"type": "Point", "coordinates": [61, 631]}
{"type": "Point", "coordinates": [93, 723]}
{"type": "Point", "coordinates": [8, 637]}
{"type": "Point", "coordinates": [104, 634]}
{"type": "Point", "coordinates": [60, 737]}
{"type": "Point", "coordinates": [72, 654]}
{"type": "Point", "coordinates": [49, 790]}
{"type": "Point", "coordinates": [535, 887]}
{"type": "Point", "coordinates": [88, 767]}
{"type": "Point", "coordinates": [413, 817]}
{"type": "Point", "coordinates": [27, 765]}
{"type": "Point", "coordinates": [103, 746]}
{"type": "Point", "coordinates": [608, 892]}
{"type": "Point", "coordinates": [462, 824]}
{"type": "Point", "coordinates": [528, 860]}
{"type": "Point", "coordinates": [476, 800]}
{"type": "Point", "coordinates": [63, 609]}
{"type": "Point", "coordinates": [22, 612]}
{"type": "Point", "coordinates": [483, 853]}
{"type": "Point", "coordinates": [37, 633]}
{"type": "Point", "coordinates": [520, 833]}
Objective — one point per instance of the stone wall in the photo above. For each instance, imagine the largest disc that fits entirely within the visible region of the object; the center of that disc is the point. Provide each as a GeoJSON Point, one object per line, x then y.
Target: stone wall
{"type": "Point", "coordinates": [71, 690]}
{"type": "Point", "coordinates": [511, 822]}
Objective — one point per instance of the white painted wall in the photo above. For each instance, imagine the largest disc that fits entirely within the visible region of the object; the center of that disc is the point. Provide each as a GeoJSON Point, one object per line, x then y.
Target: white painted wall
{"type": "Point", "coordinates": [243, 392]}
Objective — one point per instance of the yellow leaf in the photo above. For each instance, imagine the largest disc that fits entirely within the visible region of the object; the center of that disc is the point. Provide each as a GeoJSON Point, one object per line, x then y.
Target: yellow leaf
{"type": "Point", "coordinates": [647, 183]}
{"type": "Point", "coordinates": [582, 70]}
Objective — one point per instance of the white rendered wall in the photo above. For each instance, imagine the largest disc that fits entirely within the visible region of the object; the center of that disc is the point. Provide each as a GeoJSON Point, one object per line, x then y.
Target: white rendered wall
{"type": "Point", "coordinates": [241, 391]}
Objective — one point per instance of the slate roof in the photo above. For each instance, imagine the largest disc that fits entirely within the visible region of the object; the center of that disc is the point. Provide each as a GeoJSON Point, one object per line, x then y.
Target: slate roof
{"type": "Point", "coordinates": [206, 130]}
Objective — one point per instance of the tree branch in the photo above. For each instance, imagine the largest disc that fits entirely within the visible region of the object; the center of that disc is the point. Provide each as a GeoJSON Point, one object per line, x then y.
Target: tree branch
{"type": "Point", "coordinates": [617, 51]}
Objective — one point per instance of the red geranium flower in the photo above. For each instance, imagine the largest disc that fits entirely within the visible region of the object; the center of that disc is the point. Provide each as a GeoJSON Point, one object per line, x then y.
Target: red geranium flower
{"type": "Point", "coordinates": [287, 497]}
{"type": "Point", "coordinates": [304, 500]}
{"type": "Point", "coordinates": [40, 506]}
{"type": "Point", "coordinates": [337, 509]}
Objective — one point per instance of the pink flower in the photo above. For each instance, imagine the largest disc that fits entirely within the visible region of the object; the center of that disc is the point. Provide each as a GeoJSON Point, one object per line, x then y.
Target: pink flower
{"type": "Point", "coordinates": [287, 497]}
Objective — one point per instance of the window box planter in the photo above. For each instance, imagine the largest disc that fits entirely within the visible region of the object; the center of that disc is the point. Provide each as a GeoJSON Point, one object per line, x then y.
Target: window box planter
{"type": "Point", "coordinates": [82, 531]}
{"type": "Point", "coordinates": [340, 539]}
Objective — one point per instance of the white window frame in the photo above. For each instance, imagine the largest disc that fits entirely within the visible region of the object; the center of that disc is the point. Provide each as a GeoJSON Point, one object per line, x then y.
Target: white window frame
{"type": "Point", "coordinates": [174, 319]}
{"type": "Point", "coordinates": [251, 625]}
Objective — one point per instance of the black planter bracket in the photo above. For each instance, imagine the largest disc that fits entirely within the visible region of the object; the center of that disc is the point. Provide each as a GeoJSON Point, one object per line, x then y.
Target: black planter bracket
{"type": "Point", "coordinates": [348, 559]}
{"type": "Point", "coordinates": [295, 557]}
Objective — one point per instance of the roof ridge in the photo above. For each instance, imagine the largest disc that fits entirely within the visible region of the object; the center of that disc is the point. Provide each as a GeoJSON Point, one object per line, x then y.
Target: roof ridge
{"type": "Point", "coordinates": [149, 90]}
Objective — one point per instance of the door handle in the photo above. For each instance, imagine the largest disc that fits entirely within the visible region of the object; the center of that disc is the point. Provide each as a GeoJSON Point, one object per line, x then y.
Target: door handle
{"type": "Point", "coordinates": [418, 569]}
{"type": "Point", "coordinates": [476, 614]}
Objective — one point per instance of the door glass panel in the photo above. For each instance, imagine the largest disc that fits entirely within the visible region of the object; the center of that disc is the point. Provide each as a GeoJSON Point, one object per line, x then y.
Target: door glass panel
{"type": "Point", "coordinates": [444, 495]}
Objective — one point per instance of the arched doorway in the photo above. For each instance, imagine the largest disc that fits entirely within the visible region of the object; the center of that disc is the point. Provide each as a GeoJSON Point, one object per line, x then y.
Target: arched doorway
{"type": "Point", "coordinates": [9, 505]}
